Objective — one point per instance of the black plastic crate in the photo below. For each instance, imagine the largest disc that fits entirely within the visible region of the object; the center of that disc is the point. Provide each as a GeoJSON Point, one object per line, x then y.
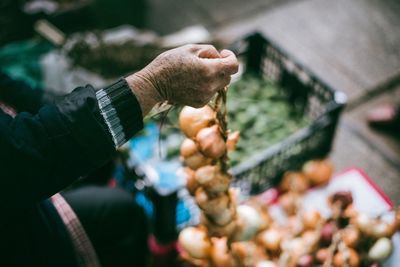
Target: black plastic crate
{"type": "Point", "coordinates": [319, 101]}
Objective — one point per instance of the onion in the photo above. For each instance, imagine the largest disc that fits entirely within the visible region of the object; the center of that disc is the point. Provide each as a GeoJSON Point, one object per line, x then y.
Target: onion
{"type": "Point", "coordinates": [350, 236]}
{"type": "Point", "coordinates": [248, 253]}
{"type": "Point", "coordinates": [381, 229]}
{"type": "Point", "coordinates": [225, 216]}
{"type": "Point", "coordinates": [188, 148]}
{"type": "Point", "coordinates": [249, 222]}
{"type": "Point", "coordinates": [340, 258]}
{"type": "Point", "coordinates": [220, 255]}
{"type": "Point", "coordinates": [322, 255]}
{"type": "Point", "coordinates": [210, 142]}
{"type": "Point", "coordinates": [318, 172]}
{"type": "Point", "coordinates": [196, 161]}
{"type": "Point", "coordinates": [232, 140]}
{"type": "Point", "coordinates": [310, 240]}
{"type": "Point", "coordinates": [341, 198]}
{"type": "Point", "coordinates": [294, 181]}
{"type": "Point", "coordinates": [271, 239]}
{"type": "Point", "coordinates": [191, 183]}
{"type": "Point", "coordinates": [211, 205]}
{"type": "Point", "coordinates": [216, 230]}
{"type": "Point", "coordinates": [212, 179]}
{"type": "Point", "coordinates": [288, 202]}
{"type": "Point", "coordinates": [381, 250]}
{"type": "Point", "coordinates": [195, 242]}
{"type": "Point", "coordinates": [327, 233]}
{"type": "Point", "coordinates": [311, 219]}
{"type": "Point", "coordinates": [305, 261]}
{"type": "Point", "coordinates": [192, 120]}
{"type": "Point", "coordinates": [295, 246]}
{"type": "Point", "coordinates": [266, 264]}
{"type": "Point", "coordinates": [363, 222]}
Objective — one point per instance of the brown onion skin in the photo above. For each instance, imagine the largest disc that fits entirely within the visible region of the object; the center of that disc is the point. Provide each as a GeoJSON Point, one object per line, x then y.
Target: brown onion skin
{"type": "Point", "coordinates": [294, 181]}
{"type": "Point", "coordinates": [354, 261]}
{"type": "Point", "coordinates": [191, 183]}
{"type": "Point", "coordinates": [211, 205]}
{"type": "Point", "coordinates": [220, 256]}
{"type": "Point", "coordinates": [327, 233]}
{"type": "Point", "coordinates": [350, 236]}
{"type": "Point", "coordinates": [203, 245]}
{"type": "Point", "coordinates": [271, 239]}
{"type": "Point", "coordinates": [188, 148]}
{"type": "Point", "coordinates": [288, 202]}
{"type": "Point", "coordinates": [311, 219]}
{"type": "Point", "coordinates": [212, 180]}
{"type": "Point", "coordinates": [305, 261]}
{"type": "Point", "coordinates": [192, 120]}
{"type": "Point", "coordinates": [318, 172]}
{"type": "Point", "coordinates": [232, 140]}
{"type": "Point", "coordinates": [322, 255]}
{"type": "Point", "coordinates": [196, 161]}
{"type": "Point", "coordinates": [211, 143]}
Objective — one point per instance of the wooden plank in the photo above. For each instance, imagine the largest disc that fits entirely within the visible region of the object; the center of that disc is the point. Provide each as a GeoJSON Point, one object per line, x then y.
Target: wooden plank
{"type": "Point", "coordinates": [350, 150]}
{"type": "Point", "coordinates": [167, 16]}
{"type": "Point", "coordinates": [223, 11]}
{"type": "Point", "coordinates": [352, 45]}
{"type": "Point", "coordinates": [384, 142]}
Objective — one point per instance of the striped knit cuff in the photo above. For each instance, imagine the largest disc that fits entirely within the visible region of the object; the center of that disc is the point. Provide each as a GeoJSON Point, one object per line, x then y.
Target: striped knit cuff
{"type": "Point", "coordinates": [121, 111]}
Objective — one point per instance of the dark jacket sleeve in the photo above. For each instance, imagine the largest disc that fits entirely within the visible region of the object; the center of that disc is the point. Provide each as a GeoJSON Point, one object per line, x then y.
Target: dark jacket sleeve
{"type": "Point", "coordinates": [20, 95]}
{"type": "Point", "coordinates": [41, 154]}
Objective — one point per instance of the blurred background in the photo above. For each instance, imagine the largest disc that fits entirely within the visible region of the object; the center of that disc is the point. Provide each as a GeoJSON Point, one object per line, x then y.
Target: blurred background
{"type": "Point", "coordinates": [352, 46]}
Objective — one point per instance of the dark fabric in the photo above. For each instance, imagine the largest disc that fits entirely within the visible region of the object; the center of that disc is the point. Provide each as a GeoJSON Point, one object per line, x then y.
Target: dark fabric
{"type": "Point", "coordinates": [20, 95]}
{"type": "Point", "coordinates": [116, 226]}
{"type": "Point", "coordinates": [41, 152]}
{"type": "Point", "coordinates": [125, 104]}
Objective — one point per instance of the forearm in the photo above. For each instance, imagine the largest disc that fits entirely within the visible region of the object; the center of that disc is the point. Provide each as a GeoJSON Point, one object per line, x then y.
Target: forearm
{"type": "Point", "coordinates": [43, 153]}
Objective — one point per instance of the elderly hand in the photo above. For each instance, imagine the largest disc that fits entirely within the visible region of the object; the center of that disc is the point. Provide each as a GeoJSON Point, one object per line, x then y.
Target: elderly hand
{"type": "Point", "coordinates": [187, 75]}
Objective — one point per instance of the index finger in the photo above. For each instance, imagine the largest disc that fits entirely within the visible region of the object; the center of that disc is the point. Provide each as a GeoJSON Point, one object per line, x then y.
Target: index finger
{"type": "Point", "coordinates": [227, 63]}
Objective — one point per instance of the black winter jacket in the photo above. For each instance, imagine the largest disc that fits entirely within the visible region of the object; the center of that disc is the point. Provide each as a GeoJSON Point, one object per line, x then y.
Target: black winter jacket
{"type": "Point", "coordinates": [48, 145]}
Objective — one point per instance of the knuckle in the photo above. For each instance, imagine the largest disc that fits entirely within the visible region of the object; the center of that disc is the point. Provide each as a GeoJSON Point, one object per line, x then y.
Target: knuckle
{"type": "Point", "coordinates": [191, 47]}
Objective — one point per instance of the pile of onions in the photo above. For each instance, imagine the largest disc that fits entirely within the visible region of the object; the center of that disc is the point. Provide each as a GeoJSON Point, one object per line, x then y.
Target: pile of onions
{"type": "Point", "coordinates": [246, 235]}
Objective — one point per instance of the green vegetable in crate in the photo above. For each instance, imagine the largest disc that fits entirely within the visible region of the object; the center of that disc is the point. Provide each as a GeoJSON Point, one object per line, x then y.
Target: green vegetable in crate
{"type": "Point", "coordinates": [263, 110]}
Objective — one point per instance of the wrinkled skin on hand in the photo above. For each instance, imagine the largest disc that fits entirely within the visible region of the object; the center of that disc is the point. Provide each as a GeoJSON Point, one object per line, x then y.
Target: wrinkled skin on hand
{"type": "Point", "coordinates": [187, 75]}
